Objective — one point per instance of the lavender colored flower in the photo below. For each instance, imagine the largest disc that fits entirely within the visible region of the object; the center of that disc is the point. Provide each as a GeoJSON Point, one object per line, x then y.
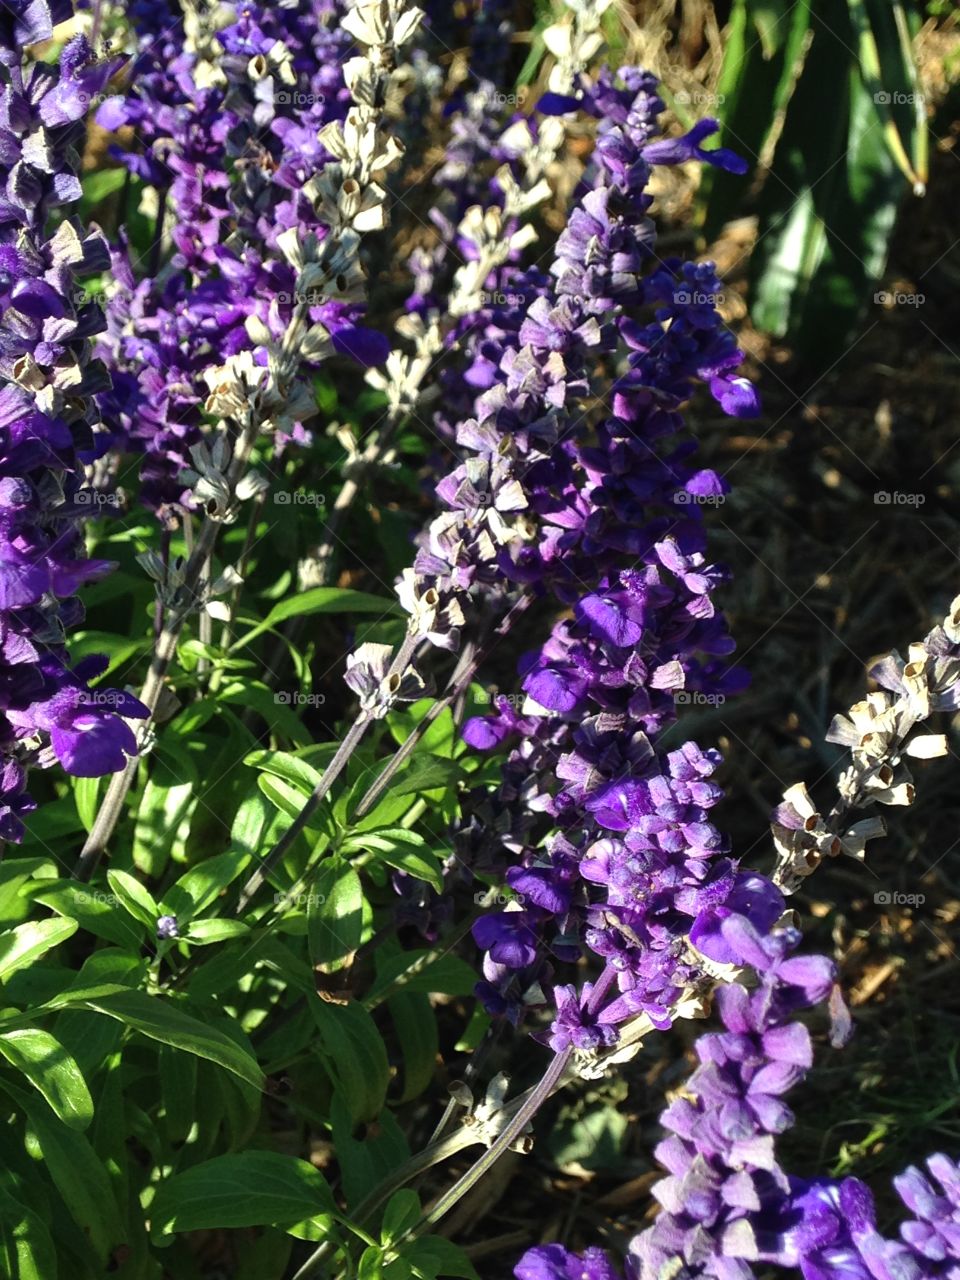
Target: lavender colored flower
{"type": "Point", "coordinates": [48, 424]}
{"type": "Point", "coordinates": [647, 634]}
{"type": "Point", "coordinates": [167, 927]}
{"type": "Point", "coordinates": [233, 161]}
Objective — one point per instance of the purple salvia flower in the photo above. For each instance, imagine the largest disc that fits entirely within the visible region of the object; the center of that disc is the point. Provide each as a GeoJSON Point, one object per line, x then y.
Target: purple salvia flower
{"type": "Point", "coordinates": [47, 423]}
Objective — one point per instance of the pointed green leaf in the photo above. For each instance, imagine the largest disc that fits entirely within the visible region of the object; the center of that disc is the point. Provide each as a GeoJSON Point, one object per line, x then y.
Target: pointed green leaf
{"type": "Point", "coordinates": [248, 1189]}
{"type": "Point", "coordinates": [43, 1060]}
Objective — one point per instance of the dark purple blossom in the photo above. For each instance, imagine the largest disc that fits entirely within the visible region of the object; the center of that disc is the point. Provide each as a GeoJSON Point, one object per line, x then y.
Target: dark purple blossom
{"type": "Point", "coordinates": [48, 425]}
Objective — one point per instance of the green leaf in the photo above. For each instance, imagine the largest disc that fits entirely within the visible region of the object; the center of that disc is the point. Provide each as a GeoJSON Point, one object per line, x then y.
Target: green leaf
{"type": "Point", "coordinates": [76, 1171]}
{"type": "Point", "coordinates": [86, 794]}
{"type": "Point", "coordinates": [416, 1028]}
{"type": "Point", "coordinates": [160, 1020]}
{"type": "Point", "coordinates": [26, 1250]}
{"type": "Point", "coordinates": [291, 768]}
{"type": "Point", "coordinates": [439, 739]}
{"type": "Point", "coordinates": [250, 826]}
{"type": "Point", "coordinates": [421, 864]}
{"type": "Point", "coordinates": [334, 913]}
{"type": "Point", "coordinates": [752, 94]}
{"type": "Point", "coordinates": [433, 1256]}
{"type": "Point", "coordinates": [401, 1213]}
{"type": "Point", "coordinates": [19, 947]}
{"type": "Point", "coordinates": [100, 184]}
{"type": "Point", "coordinates": [46, 1064]}
{"type": "Point", "coordinates": [204, 932]}
{"type": "Point", "coordinates": [366, 1160]}
{"type": "Point", "coordinates": [828, 209]}
{"type": "Point", "coordinates": [770, 19]}
{"type": "Point", "coordinates": [199, 888]}
{"type": "Point", "coordinates": [402, 849]}
{"type": "Point", "coordinates": [321, 600]}
{"type": "Point", "coordinates": [426, 773]}
{"type": "Point", "coordinates": [134, 896]}
{"type": "Point", "coordinates": [890, 75]}
{"type": "Point", "coordinates": [354, 1055]}
{"type": "Point", "coordinates": [422, 971]}
{"type": "Point", "coordinates": [370, 1266]}
{"type": "Point", "coordinates": [162, 819]}
{"type": "Point", "coordinates": [14, 874]}
{"type": "Point", "coordinates": [289, 799]}
{"type": "Point", "coordinates": [248, 1189]}
{"type": "Point", "coordinates": [95, 910]}
{"type": "Point", "coordinates": [271, 706]}
{"type": "Point", "coordinates": [593, 1139]}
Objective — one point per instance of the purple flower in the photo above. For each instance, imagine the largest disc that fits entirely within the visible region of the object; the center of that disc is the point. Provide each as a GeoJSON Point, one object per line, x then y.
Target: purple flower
{"type": "Point", "coordinates": [680, 150]}
{"type": "Point", "coordinates": [48, 423]}
{"type": "Point", "coordinates": [554, 1262]}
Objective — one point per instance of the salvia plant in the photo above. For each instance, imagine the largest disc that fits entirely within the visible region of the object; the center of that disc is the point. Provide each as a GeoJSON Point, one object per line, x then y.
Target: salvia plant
{"type": "Point", "coordinates": [355, 583]}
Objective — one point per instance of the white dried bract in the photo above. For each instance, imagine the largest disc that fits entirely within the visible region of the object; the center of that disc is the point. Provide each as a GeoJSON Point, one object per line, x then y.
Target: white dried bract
{"type": "Point", "coordinates": [208, 479]}
{"type": "Point", "coordinates": [536, 152]}
{"type": "Point", "coordinates": [879, 733]}
{"type": "Point", "coordinates": [431, 617]}
{"type": "Point", "coordinates": [171, 581]}
{"type": "Point", "coordinates": [368, 674]}
{"type": "Point", "coordinates": [593, 1064]}
{"type": "Point", "coordinates": [403, 376]}
{"type": "Point", "coordinates": [575, 42]}
{"type": "Point", "coordinates": [484, 229]}
{"type": "Point", "coordinates": [267, 397]}
{"type": "Point", "coordinates": [488, 1118]}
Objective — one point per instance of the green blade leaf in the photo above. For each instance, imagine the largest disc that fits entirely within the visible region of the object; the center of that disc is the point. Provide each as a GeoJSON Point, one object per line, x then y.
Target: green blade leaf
{"type": "Point", "coordinates": [753, 91]}
{"type": "Point", "coordinates": [19, 947]}
{"type": "Point", "coordinates": [95, 910]}
{"type": "Point", "coordinates": [828, 211]}
{"type": "Point", "coordinates": [26, 1249]}
{"type": "Point", "coordinates": [334, 913]}
{"type": "Point", "coordinates": [43, 1060]}
{"type": "Point", "coordinates": [134, 897]}
{"type": "Point", "coordinates": [354, 1056]}
{"type": "Point", "coordinates": [321, 600]}
{"type": "Point", "coordinates": [198, 888]}
{"type": "Point", "coordinates": [160, 1020]}
{"type": "Point", "coordinates": [416, 1028]}
{"type": "Point", "coordinates": [249, 1189]}
{"type": "Point", "coordinates": [76, 1171]}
